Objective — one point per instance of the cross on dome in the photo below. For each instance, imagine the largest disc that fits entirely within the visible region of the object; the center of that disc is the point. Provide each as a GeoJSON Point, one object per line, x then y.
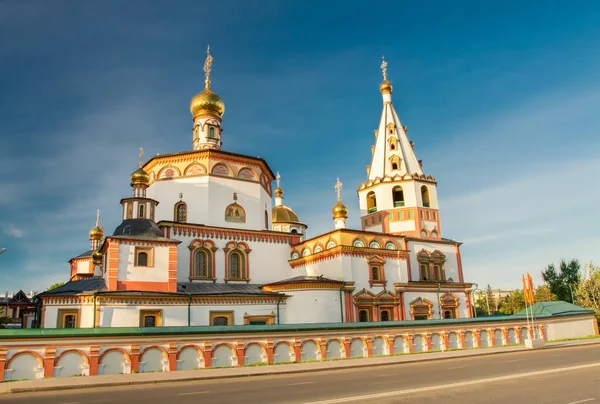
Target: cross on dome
{"type": "Point", "coordinates": [97, 218]}
{"type": "Point", "coordinates": [141, 156]}
{"type": "Point", "coordinates": [207, 65]}
{"type": "Point", "coordinates": [338, 189]}
{"type": "Point", "coordinates": [384, 68]}
{"type": "Point", "coordinates": [278, 178]}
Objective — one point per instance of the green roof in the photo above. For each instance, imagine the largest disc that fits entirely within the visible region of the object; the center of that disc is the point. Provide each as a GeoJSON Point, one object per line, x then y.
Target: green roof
{"type": "Point", "coordinates": [554, 309]}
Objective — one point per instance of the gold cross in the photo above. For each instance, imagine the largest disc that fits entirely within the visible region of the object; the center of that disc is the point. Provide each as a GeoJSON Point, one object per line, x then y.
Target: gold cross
{"type": "Point", "coordinates": [338, 189]}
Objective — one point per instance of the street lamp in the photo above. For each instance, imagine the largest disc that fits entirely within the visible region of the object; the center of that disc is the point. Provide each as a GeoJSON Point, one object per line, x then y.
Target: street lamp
{"type": "Point", "coordinates": [570, 289]}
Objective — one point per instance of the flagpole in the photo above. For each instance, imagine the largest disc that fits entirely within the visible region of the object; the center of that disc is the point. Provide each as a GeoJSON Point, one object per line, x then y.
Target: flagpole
{"type": "Point", "coordinates": [526, 299]}
{"type": "Point", "coordinates": [532, 298]}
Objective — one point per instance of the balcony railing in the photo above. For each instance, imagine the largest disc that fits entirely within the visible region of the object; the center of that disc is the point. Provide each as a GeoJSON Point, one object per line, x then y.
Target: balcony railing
{"type": "Point", "coordinates": [373, 209]}
{"type": "Point", "coordinates": [398, 204]}
{"type": "Point", "coordinates": [425, 204]}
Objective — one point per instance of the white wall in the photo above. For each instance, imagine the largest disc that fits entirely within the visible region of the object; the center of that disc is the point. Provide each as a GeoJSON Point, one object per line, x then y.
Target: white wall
{"type": "Point", "coordinates": [313, 306]}
{"type": "Point", "coordinates": [570, 329]}
{"type": "Point", "coordinates": [86, 318]}
{"type": "Point", "coordinates": [159, 272]}
{"type": "Point", "coordinates": [433, 298]}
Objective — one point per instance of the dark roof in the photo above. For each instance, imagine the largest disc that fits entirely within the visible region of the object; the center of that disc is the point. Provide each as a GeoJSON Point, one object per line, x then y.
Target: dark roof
{"type": "Point", "coordinates": [304, 279]}
{"type": "Point", "coordinates": [219, 289]}
{"type": "Point", "coordinates": [558, 308]}
{"type": "Point", "coordinates": [88, 253]}
{"type": "Point", "coordinates": [138, 228]}
{"type": "Point", "coordinates": [84, 286]}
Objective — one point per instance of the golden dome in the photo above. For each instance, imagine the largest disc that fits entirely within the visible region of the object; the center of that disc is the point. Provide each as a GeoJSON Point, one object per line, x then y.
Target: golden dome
{"type": "Point", "coordinates": [207, 102]}
{"type": "Point", "coordinates": [140, 177]}
{"type": "Point", "coordinates": [385, 87]}
{"type": "Point", "coordinates": [283, 214]}
{"type": "Point", "coordinates": [96, 233]}
{"type": "Point", "coordinates": [340, 211]}
{"type": "Point", "coordinates": [96, 257]}
{"type": "Point", "coordinates": [278, 191]}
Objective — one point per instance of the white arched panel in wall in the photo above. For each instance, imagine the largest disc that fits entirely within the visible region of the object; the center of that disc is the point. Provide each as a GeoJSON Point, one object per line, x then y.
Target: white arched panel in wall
{"type": "Point", "coordinates": [399, 346]}
{"type": "Point", "coordinates": [524, 334]}
{"type": "Point", "coordinates": [419, 344]}
{"type": "Point", "coordinates": [310, 351]}
{"type": "Point", "coordinates": [190, 358]}
{"type": "Point", "coordinates": [23, 367]}
{"type": "Point", "coordinates": [223, 356]}
{"type": "Point", "coordinates": [436, 342]}
{"type": "Point", "coordinates": [113, 363]}
{"type": "Point", "coordinates": [152, 360]}
{"type": "Point", "coordinates": [254, 354]}
{"type": "Point", "coordinates": [379, 347]}
{"type": "Point", "coordinates": [498, 340]}
{"type": "Point", "coordinates": [485, 339]}
{"type": "Point", "coordinates": [453, 341]}
{"type": "Point", "coordinates": [512, 336]}
{"type": "Point", "coordinates": [334, 349]}
{"type": "Point", "coordinates": [70, 364]}
{"type": "Point", "coordinates": [469, 340]}
{"type": "Point", "coordinates": [357, 349]}
{"type": "Point", "coordinates": [283, 353]}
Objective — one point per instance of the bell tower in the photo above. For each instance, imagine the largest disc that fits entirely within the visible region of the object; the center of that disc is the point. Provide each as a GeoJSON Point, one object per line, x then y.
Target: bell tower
{"type": "Point", "coordinates": [397, 196]}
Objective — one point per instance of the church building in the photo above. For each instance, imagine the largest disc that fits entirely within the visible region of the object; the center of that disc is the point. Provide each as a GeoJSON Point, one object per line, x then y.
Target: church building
{"type": "Point", "coordinates": [205, 240]}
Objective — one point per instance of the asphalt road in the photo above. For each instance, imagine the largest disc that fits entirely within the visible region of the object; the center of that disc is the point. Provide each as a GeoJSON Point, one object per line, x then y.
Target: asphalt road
{"type": "Point", "coordinates": [558, 375]}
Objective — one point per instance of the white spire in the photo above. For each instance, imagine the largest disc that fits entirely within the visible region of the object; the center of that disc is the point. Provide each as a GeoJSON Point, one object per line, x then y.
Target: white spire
{"type": "Point", "coordinates": [393, 153]}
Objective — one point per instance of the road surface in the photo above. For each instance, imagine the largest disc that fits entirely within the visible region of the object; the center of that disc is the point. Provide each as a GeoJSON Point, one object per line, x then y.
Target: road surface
{"type": "Point", "coordinates": [569, 375]}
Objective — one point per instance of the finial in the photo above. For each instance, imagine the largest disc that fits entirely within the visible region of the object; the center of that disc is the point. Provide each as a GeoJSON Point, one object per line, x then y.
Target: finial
{"type": "Point", "coordinates": [384, 68]}
{"type": "Point", "coordinates": [141, 156]}
{"type": "Point", "coordinates": [207, 65]}
{"type": "Point", "coordinates": [338, 189]}
{"type": "Point", "coordinates": [98, 218]}
{"type": "Point", "coordinates": [278, 178]}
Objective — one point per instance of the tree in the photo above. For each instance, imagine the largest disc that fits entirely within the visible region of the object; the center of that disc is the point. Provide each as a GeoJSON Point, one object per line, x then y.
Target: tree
{"type": "Point", "coordinates": [512, 303]}
{"type": "Point", "coordinates": [562, 281]}
{"type": "Point", "coordinates": [543, 294]}
{"type": "Point", "coordinates": [587, 292]}
{"type": "Point", "coordinates": [56, 285]}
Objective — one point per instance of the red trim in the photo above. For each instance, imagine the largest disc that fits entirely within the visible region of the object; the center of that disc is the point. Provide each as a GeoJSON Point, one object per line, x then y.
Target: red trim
{"type": "Point", "coordinates": [459, 262]}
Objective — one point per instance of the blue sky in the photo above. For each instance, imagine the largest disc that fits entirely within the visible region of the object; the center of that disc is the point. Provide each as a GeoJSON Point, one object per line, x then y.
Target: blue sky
{"type": "Point", "coordinates": [501, 98]}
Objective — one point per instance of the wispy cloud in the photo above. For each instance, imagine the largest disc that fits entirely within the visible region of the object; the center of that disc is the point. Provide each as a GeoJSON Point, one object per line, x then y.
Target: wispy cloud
{"type": "Point", "coordinates": [13, 231]}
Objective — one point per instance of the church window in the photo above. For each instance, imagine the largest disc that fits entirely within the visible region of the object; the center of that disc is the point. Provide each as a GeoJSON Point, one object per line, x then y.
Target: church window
{"type": "Point", "coordinates": [390, 246]}
{"type": "Point", "coordinates": [211, 132]}
{"type": "Point", "coordinates": [425, 196]}
{"type": "Point", "coordinates": [143, 257]}
{"type": "Point", "coordinates": [236, 266]}
{"type": "Point", "coordinates": [427, 215]}
{"type": "Point", "coordinates": [363, 316]}
{"type": "Point", "coordinates": [424, 272]}
{"type": "Point", "coordinates": [371, 202]}
{"type": "Point", "coordinates": [141, 211]}
{"type": "Point", "coordinates": [150, 318]}
{"type": "Point", "coordinates": [438, 272]}
{"type": "Point", "coordinates": [221, 318]}
{"type": "Point", "coordinates": [372, 219]}
{"type": "Point", "coordinates": [305, 252]}
{"type": "Point", "coordinates": [330, 244]}
{"type": "Point", "coordinates": [68, 318]}
{"type": "Point", "coordinates": [431, 266]}
{"type": "Point", "coordinates": [421, 309]}
{"type": "Point", "coordinates": [434, 216]}
{"type": "Point", "coordinates": [434, 234]}
{"type": "Point", "coordinates": [374, 244]}
{"type": "Point", "coordinates": [202, 264]}
{"type": "Point", "coordinates": [295, 255]}
{"type": "Point", "coordinates": [358, 243]}
{"type": "Point", "coordinates": [400, 215]}
{"type": "Point", "coordinates": [376, 273]}
{"type": "Point", "coordinates": [398, 196]}
{"type": "Point", "coordinates": [294, 231]}
{"type": "Point", "coordinates": [423, 232]}
{"type": "Point", "coordinates": [366, 222]}
{"type": "Point", "coordinates": [394, 166]}
{"type": "Point", "coordinates": [411, 214]}
{"type": "Point", "coordinates": [448, 314]}
{"type": "Point", "coordinates": [265, 319]}
{"type": "Point", "coordinates": [318, 248]}
{"type": "Point", "coordinates": [385, 315]}
{"type": "Point", "coordinates": [181, 212]}
{"type": "Point", "coordinates": [421, 214]}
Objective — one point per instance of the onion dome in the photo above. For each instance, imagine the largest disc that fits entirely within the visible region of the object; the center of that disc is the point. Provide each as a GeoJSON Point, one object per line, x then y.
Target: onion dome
{"type": "Point", "coordinates": [96, 257]}
{"type": "Point", "coordinates": [207, 103]}
{"type": "Point", "coordinates": [96, 233]}
{"type": "Point", "coordinates": [385, 87]}
{"type": "Point", "coordinates": [340, 211]}
{"type": "Point", "coordinates": [140, 177]}
{"type": "Point", "coordinates": [283, 214]}
{"type": "Point", "coordinates": [278, 192]}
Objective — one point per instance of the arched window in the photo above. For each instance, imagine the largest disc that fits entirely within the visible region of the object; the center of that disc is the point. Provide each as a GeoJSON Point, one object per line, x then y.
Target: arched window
{"type": "Point", "coordinates": [305, 252]}
{"type": "Point", "coordinates": [376, 273]}
{"type": "Point", "coordinates": [294, 231]}
{"type": "Point", "coordinates": [202, 264]}
{"type": "Point", "coordinates": [385, 315]}
{"type": "Point", "coordinates": [424, 269]}
{"type": "Point", "coordinates": [236, 265]}
{"type": "Point", "coordinates": [142, 259]}
{"type": "Point", "coordinates": [448, 314]}
{"type": "Point", "coordinates": [425, 196]}
{"type": "Point", "coordinates": [398, 196]}
{"type": "Point", "coordinates": [358, 243]}
{"type": "Point", "coordinates": [438, 273]}
{"type": "Point", "coordinates": [363, 316]}
{"type": "Point", "coordinates": [371, 202]}
{"type": "Point", "coordinates": [330, 244]}
{"type": "Point", "coordinates": [211, 133]}
{"type": "Point", "coordinates": [390, 246]}
{"type": "Point", "coordinates": [423, 233]}
{"type": "Point", "coordinates": [181, 212]}
{"type": "Point", "coordinates": [394, 166]}
{"type": "Point", "coordinates": [141, 211]}
{"type": "Point", "coordinates": [374, 244]}
{"type": "Point", "coordinates": [295, 255]}
{"type": "Point", "coordinates": [70, 321]}
{"type": "Point", "coordinates": [318, 248]}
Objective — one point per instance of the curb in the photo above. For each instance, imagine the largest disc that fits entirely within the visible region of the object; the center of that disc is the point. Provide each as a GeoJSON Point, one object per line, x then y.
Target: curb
{"type": "Point", "coordinates": [18, 390]}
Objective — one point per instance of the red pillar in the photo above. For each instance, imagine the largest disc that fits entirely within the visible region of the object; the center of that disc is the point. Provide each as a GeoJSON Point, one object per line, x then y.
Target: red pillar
{"type": "Point", "coordinates": [390, 342]}
{"type": "Point", "coordinates": [446, 340]}
{"type": "Point", "coordinates": [94, 350]}
{"type": "Point", "coordinates": [172, 356]}
{"type": "Point", "coordinates": [298, 350]}
{"type": "Point", "coordinates": [135, 358]}
{"type": "Point", "coordinates": [270, 351]}
{"type": "Point", "coordinates": [323, 347]}
{"type": "Point", "coordinates": [369, 342]}
{"type": "Point", "coordinates": [239, 349]}
{"type": "Point", "coordinates": [2, 362]}
{"type": "Point", "coordinates": [49, 356]}
{"type": "Point", "coordinates": [347, 346]}
{"type": "Point", "coordinates": [428, 340]}
{"type": "Point", "coordinates": [410, 343]}
{"type": "Point", "coordinates": [207, 355]}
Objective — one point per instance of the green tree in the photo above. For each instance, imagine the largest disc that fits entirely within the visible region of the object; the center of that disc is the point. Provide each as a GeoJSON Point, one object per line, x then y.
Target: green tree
{"type": "Point", "coordinates": [480, 304]}
{"type": "Point", "coordinates": [491, 306]}
{"type": "Point", "coordinates": [543, 294]}
{"type": "Point", "coordinates": [560, 282]}
{"type": "Point", "coordinates": [56, 285]}
{"type": "Point", "coordinates": [587, 291]}
{"type": "Point", "coordinates": [512, 303]}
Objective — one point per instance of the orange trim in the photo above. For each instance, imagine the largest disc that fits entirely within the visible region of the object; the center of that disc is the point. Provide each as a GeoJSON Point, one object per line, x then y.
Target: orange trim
{"type": "Point", "coordinates": [26, 352]}
{"type": "Point", "coordinates": [145, 286]}
{"type": "Point", "coordinates": [200, 351]}
{"type": "Point", "coordinates": [172, 284]}
{"type": "Point", "coordinates": [459, 262]}
{"type": "Point", "coordinates": [94, 349]}
{"type": "Point", "coordinates": [124, 352]}
{"type": "Point", "coordinates": [163, 350]}
{"type": "Point", "coordinates": [79, 351]}
{"type": "Point", "coordinates": [49, 356]}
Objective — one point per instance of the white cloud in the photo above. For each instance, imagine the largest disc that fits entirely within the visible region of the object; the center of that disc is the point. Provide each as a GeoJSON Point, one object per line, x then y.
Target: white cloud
{"type": "Point", "coordinates": [12, 230]}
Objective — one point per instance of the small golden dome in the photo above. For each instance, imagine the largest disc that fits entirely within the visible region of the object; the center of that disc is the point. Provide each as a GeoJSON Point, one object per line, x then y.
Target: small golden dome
{"type": "Point", "coordinates": [96, 233]}
{"type": "Point", "coordinates": [283, 214]}
{"type": "Point", "coordinates": [207, 102]}
{"type": "Point", "coordinates": [96, 257]}
{"type": "Point", "coordinates": [385, 87]}
{"type": "Point", "coordinates": [340, 211]}
{"type": "Point", "coordinates": [278, 191]}
{"type": "Point", "coordinates": [140, 177]}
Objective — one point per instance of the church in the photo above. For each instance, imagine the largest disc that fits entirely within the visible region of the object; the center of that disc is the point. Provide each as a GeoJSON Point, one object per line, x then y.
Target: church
{"type": "Point", "coordinates": [205, 240]}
